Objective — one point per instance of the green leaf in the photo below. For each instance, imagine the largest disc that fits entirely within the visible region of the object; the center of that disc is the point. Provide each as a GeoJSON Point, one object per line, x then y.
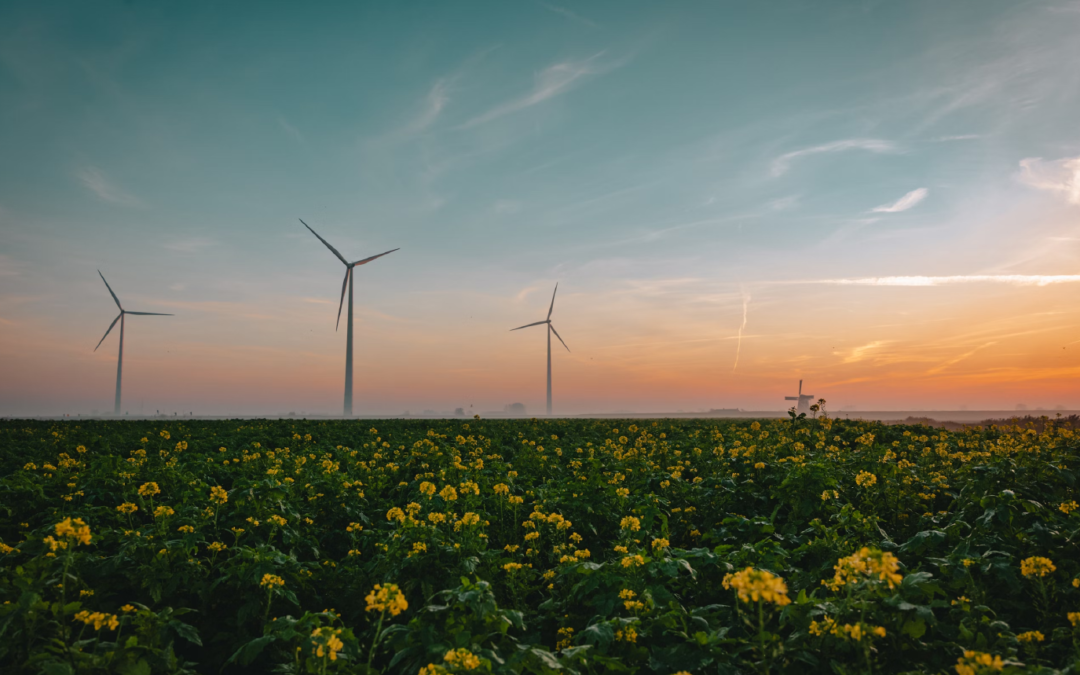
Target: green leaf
{"type": "Point", "coordinates": [916, 628]}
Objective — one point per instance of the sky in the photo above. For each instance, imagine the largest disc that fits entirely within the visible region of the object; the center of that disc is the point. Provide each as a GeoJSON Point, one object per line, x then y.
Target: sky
{"type": "Point", "coordinates": [881, 199]}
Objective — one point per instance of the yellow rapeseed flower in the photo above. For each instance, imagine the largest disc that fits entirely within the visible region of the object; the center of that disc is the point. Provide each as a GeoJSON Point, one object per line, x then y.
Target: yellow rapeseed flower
{"type": "Point", "coordinates": [867, 564]}
{"type": "Point", "coordinates": [218, 494]}
{"type": "Point", "coordinates": [462, 658]}
{"type": "Point", "coordinates": [270, 581]}
{"type": "Point", "coordinates": [753, 585]}
{"type": "Point", "coordinates": [73, 530]}
{"type": "Point", "coordinates": [865, 479]}
{"type": "Point", "coordinates": [630, 523]}
{"type": "Point", "coordinates": [149, 490]}
{"type": "Point", "coordinates": [1036, 566]}
{"type": "Point", "coordinates": [973, 662]}
{"type": "Point", "coordinates": [1031, 636]}
{"type": "Point", "coordinates": [388, 598]}
{"type": "Point", "coordinates": [127, 507]}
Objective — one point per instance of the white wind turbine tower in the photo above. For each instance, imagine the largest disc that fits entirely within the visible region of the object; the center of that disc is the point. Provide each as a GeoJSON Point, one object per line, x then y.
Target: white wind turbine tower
{"type": "Point", "coordinates": [551, 329]}
{"type": "Point", "coordinates": [349, 333]}
{"type": "Point", "coordinates": [120, 358]}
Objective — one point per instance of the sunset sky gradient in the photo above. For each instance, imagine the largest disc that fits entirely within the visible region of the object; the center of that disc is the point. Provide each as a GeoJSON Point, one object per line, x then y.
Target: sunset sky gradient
{"type": "Point", "coordinates": [882, 199]}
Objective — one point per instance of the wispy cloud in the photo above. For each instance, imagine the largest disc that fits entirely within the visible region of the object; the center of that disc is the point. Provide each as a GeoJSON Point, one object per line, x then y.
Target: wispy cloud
{"type": "Point", "coordinates": [1011, 279]}
{"type": "Point", "coordinates": [904, 203]}
{"type": "Point", "coordinates": [567, 13]}
{"type": "Point", "coordinates": [782, 163]}
{"type": "Point", "coordinates": [860, 353]}
{"type": "Point", "coordinates": [1060, 176]}
{"type": "Point", "coordinates": [958, 359]}
{"type": "Point", "coordinates": [95, 180]}
{"type": "Point", "coordinates": [291, 130]}
{"type": "Point", "coordinates": [552, 81]}
{"type": "Point", "coordinates": [959, 137]}
{"type": "Point", "coordinates": [434, 102]}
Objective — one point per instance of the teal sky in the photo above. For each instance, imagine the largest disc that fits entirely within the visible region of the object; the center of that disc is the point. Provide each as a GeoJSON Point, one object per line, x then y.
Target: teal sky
{"type": "Point", "coordinates": [696, 175]}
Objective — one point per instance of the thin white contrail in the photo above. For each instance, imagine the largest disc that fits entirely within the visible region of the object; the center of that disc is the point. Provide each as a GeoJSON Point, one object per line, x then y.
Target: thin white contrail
{"type": "Point", "coordinates": [745, 308]}
{"type": "Point", "coordinates": [1013, 279]}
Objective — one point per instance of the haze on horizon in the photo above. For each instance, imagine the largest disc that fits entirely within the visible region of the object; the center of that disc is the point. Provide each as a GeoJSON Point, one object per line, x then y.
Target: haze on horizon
{"type": "Point", "coordinates": [881, 199]}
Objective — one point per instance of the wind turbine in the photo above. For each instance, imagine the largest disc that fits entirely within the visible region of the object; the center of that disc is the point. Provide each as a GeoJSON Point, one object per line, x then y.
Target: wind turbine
{"type": "Point", "coordinates": [120, 358]}
{"type": "Point", "coordinates": [803, 404]}
{"type": "Point", "coordinates": [551, 329]}
{"type": "Point", "coordinates": [348, 339]}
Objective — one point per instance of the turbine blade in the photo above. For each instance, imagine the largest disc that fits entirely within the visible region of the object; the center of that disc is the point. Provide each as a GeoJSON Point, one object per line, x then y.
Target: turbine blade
{"type": "Point", "coordinates": [149, 314]}
{"type": "Point", "coordinates": [342, 302]}
{"type": "Point", "coordinates": [553, 299]}
{"type": "Point", "coordinates": [108, 331]}
{"type": "Point", "coordinates": [332, 249]}
{"type": "Point", "coordinates": [115, 299]}
{"type": "Point", "coordinates": [557, 335]}
{"type": "Point", "coordinates": [527, 325]}
{"type": "Point", "coordinates": [367, 260]}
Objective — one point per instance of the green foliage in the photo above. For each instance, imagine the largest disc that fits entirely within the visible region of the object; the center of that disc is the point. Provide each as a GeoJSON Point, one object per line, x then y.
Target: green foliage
{"type": "Point", "coordinates": [542, 547]}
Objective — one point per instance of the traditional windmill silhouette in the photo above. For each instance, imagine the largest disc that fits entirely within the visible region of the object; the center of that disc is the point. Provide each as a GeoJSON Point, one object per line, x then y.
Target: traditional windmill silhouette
{"type": "Point", "coordinates": [803, 404]}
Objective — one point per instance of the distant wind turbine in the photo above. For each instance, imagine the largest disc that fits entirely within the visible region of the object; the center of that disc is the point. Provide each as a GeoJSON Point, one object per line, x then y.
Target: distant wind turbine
{"type": "Point", "coordinates": [349, 333]}
{"type": "Point", "coordinates": [120, 358]}
{"type": "Point", "coordinates": [551, 329]}
{"type": "Point", "coordinates": [803, 400]}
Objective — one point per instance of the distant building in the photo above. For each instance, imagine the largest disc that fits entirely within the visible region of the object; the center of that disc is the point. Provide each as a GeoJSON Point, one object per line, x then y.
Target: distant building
{"type": "Point", "coordinates": [515, 409]}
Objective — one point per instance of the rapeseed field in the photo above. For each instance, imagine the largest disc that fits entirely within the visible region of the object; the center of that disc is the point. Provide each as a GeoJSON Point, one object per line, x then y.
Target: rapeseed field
{"type": "Point", "coordinates": [524, 546]}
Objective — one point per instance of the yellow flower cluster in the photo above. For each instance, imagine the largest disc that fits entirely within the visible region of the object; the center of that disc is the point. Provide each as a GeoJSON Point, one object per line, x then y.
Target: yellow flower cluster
{"type": "Point", "coordinates": [277, 520]}
{"type": "Point", "coordinates": [388, 598]}
{"type": "Point", "coordinates": [269, 581]}
{"type": "Point", "coordinates": [512, 566]}
{"type": "Point", "coordinates": [325, 642]}
{"type": "Point", "coordinates": [630, 523]}
{"type": "Point", "coordinates": [1036, 566]}
{"type": "Point", "coordinates": [418, 548]}
{"type": "Point", "coordinates": [1074, 619]}
{"type": "Point", "coordinates": [216, 547]}
{"type": "Point", "coordinates": [847, 631]}
{"type": "Point", "coordinates": [127, 507]}
{"type": "Point", "coordinates": [659, 543]}
{"type": "Point", "coordinates": [1068, 507]}
{"type": "Point", "coordinates": [354, 527]}
{"type": "Point", "coordinates": [462, 658]}
{"type": "Point", "coordinates": [428, 489]}
{"type": "Point", "coordinates": [448, 493]}
{"type": "Point", "coordinates": [867, 564]}
{"type": "Point", "coordinates": [396, 514]}
{"type": "Point", "coordinates": [865, 479]}
{"type": "Point", "coordinates": [566, 636]}
{"type": "Point", "coordinates": [186, 529]}
{"type": "Point", "coordinates": [633, 561]}
{"type": "Point", "coordinates": [163, 512]}
{"type": "Point", "coordinates": [99, 619]}
{"type": "Point", "coordinates": [629, 635]}
{"type": "Point", "coordinates": [973, 662]}
{"type": "Point", "coordinates": [753, 585]}
{"type": "Point", "coordinates": [218, 494]}
{"type": "Point", "coordinates": [73, 530]}
{"type": "Point", "coordinates": [149, 490]}
{"type": "Point", "coordinates": [502, 489]}
{"type": "Point", "coordinates": [1031, 636]}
